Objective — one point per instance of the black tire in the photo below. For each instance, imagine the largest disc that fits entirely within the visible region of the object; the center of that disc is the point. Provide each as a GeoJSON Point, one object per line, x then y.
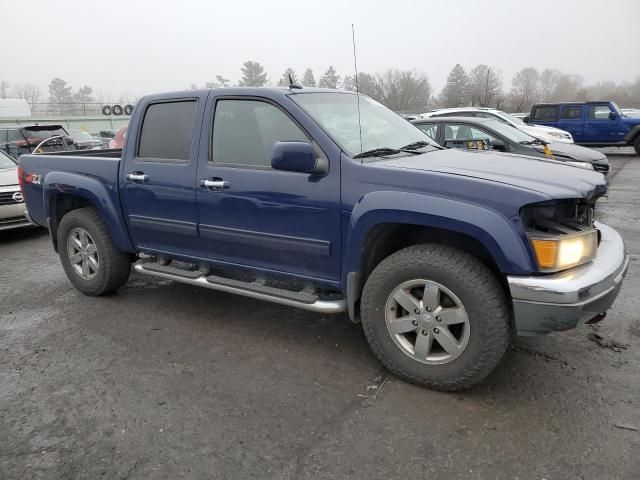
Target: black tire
{"type": "Point", "coordinates": [636, 144]}
{"type": "Point", "coordinates": [114, 266]}
{"type": "Point", "coordinates": [483, 298]}
{"type": "Point", "coordinates": [106, 110]}
{"type": "Point", "coordinates": [116, 110]}
{"type": "Point", "coordinates": [128, 109]}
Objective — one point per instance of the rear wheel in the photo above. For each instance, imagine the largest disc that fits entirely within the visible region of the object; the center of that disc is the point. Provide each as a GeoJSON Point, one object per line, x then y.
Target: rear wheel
{"type": "Point", "coordinates": [436, 316]}
{"type": "Point", "coordinates": [89, 258]}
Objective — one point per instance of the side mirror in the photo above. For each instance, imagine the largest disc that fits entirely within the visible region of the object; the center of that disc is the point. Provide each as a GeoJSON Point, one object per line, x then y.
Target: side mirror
{"type": "Point", "coordinates": [526, 119]}
{"type": "Point", "coordinates": [499, 145]}
{"type": "Point", "coordinates": [612, 115]}
{"type": "Point", "coordinates": [297, 157]}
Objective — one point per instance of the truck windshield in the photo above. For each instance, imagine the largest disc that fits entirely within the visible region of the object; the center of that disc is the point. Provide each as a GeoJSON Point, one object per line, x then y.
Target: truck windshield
{"type": "Point", "coordinates": [337, 114]}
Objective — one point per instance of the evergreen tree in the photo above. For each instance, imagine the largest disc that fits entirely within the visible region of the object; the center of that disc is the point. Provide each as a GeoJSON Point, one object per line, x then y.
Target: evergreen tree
{"type": "Point", "coordinates": [253, 75]}
{"type": "Point", "coordinates": [308, 80]}
{"type": "Point", "coordinates": [456, 91]}
{"type": "Point", "coordinates": [330, 79]}
{"type": "Point", "coordinates": [285, 80]}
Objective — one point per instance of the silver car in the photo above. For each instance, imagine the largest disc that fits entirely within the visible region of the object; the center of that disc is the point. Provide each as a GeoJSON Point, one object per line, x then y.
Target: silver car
{"type": "Point", "coordinates": [13, 212]}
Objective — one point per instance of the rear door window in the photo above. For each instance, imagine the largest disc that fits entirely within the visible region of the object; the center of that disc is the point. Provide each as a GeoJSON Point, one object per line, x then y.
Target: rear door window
{"type": "Point", "coordinates": [167, 132]}
{"type": "Point", "coordinates": [546, 114]}
{"type": "Point", "coordinates": [571, 112]}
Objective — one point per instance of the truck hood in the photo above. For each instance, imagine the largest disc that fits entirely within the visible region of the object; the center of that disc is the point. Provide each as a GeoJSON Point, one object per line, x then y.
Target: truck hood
{"type": "Point", "coordinates": [574, 152]}
{"type": "Point", "coordinates": [548, 177]}
{"type": "Point", "coordinates": [8, 176]}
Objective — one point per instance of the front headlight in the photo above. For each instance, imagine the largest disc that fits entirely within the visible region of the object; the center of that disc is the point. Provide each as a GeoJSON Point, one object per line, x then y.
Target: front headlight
{"type": "Point", "coordinates": [586, 165]}
{"type": "Point", "coordinates": [554, 253]}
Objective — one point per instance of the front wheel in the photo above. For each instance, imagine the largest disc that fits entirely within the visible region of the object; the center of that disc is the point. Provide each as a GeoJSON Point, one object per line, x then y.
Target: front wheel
{"type": "Point", "coordinates": [436, 316]}
{"type": "Point", "coordinates": [636, 145]}
{"type": "Point", "coordinates": [88, 255]}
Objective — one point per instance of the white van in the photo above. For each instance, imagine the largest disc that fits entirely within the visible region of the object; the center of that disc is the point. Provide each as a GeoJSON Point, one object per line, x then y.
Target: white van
{"type": "Point", "coordinates": [14, 108]}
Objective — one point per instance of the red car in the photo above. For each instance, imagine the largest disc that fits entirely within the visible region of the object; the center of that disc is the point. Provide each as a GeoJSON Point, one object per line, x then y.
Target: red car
{"type": "Point", "coordinates": [118, 140]}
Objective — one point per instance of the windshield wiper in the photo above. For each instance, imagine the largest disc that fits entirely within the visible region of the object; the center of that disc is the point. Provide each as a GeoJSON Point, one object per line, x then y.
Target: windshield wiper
{"type": "Point", "coordinates": [415, 145]}
{"type": "Point", "coordinates": [378, 152]}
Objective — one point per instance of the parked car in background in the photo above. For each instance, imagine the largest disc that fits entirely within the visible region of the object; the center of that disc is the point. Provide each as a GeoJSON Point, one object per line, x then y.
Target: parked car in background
{"type": "Point", "coordinates": [631, 112]}
{"type": "Point", "coordinates": [595, 124]}
{"type": "Point", "coordinates": [118, 140]}
{"type": "Point", "coordinates": [85, 141]}
{"type": "Point", "coordinates": [105, 136]}
{"type": "Point", "coordinates": [449, 131]}
{"type": "Point", "coordinates": [12, 207]}
{"type": "Point", "coordinates": [330, 202]}
{"type": "Point", "coordinates": [21, 139]}
{"type": "Point", "coordinates": [548, 134]}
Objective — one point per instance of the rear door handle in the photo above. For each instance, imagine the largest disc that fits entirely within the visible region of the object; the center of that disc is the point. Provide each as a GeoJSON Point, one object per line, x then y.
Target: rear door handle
{"type": "Point", "coordinates": [214, 184]}
{"type": "Point", "coordinates": [137, 177]}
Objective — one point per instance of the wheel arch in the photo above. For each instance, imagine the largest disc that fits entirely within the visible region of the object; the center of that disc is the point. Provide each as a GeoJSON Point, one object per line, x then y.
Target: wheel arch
{"type": "Point", "coordinates": [64, 192]}
{"type": "Point", "coordinates": [377, 233]}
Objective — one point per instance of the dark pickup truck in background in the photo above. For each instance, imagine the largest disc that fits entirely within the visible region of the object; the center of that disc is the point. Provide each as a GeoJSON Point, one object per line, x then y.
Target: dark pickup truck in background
{"type": "Point", "coordinates": [593, 124]}
{"type": "Point", "coordinates": [314, 199]}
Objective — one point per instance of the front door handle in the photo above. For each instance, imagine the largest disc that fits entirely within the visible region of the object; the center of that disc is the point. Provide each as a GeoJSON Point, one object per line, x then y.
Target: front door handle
{"type": "Point", "coordinates": [214, 184]}
{"type": "Point", "coordinates": [137, 177]}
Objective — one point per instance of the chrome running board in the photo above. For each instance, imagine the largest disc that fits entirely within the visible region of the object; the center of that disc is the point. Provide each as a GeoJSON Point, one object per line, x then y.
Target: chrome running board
{"type": "Point", "coordinates": [303, 300]}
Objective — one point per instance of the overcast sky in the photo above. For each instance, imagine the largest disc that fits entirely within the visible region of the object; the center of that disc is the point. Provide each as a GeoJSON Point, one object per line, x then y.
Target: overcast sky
{"type": "Point", "coordinates": [136, 47]}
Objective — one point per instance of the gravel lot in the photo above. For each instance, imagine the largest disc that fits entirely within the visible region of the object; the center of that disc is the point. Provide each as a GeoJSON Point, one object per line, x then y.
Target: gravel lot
{"type": "Point", "coordinates": [163, 380]}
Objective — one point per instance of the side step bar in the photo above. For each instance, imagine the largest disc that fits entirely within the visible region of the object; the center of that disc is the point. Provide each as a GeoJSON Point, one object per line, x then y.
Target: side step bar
{"type": "Point", "coordinates": [305, 301]}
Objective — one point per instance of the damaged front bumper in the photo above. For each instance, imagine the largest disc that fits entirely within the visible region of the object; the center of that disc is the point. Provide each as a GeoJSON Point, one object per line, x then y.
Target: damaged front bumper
{"type": "Point", "coordinates": [562, 301]}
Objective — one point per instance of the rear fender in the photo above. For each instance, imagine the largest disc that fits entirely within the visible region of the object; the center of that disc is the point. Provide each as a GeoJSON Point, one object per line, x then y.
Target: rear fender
{"type": "Point", "coordinates": [96, 193]}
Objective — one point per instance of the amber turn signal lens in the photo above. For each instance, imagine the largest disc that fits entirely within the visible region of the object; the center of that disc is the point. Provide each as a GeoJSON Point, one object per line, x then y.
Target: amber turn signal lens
{"type": "Point", "coordinates": [562, 252]}
{"type": "Point", "coordinates": [546, 252]}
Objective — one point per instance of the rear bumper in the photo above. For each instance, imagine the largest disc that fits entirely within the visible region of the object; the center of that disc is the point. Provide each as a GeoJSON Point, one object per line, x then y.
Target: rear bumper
{"type": "Point", "coordinates": [544, 304]}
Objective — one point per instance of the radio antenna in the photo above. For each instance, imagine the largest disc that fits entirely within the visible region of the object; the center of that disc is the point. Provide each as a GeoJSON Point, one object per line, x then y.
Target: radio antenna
{"type": "Point", "coordinates": [355, 67]}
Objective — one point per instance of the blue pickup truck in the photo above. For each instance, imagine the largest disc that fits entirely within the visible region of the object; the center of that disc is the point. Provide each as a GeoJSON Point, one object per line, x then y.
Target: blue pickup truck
{"type": "Point", "coordinates": [593, 124]}
{"type": "Point", "coordinates": [329, 202]}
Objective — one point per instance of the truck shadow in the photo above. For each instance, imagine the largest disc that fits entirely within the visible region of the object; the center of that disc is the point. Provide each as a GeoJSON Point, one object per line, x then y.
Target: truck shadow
{"type": "Point", "coordinates": [7, 237]}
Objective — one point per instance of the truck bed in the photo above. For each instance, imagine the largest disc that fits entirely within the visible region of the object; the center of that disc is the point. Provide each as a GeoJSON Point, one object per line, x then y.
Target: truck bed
{"type": "Point", "coordinates": [58, 170]}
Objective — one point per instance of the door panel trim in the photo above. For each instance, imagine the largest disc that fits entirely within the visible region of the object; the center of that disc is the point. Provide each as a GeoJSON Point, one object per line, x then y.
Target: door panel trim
{"type": "Point", "coordinates": [164, 225]}
{"type": "Point", "coordinates": [266, 240]}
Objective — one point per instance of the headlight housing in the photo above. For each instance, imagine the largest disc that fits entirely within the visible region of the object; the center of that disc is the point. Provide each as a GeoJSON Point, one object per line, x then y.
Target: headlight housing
{"type": "Point", "coordinates": [561, 233]}
{"type": "Point", "coordinates": [585, 165]}
{"type": "Point", "coordinates": [554, 253]}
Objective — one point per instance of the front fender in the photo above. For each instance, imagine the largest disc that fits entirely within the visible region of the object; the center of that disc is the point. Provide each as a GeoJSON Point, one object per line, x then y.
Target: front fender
{"type": "Point", "coordinates": [501, 236]}
{"type": "Point", "coordinates": [92, 190]}
{"type": "Point", "coordinates": [631, 134]}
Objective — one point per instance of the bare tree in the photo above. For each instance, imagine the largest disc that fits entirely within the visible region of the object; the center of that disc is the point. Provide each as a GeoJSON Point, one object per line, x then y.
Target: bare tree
{"type": "Point", "coordinates": [404, 90]}
{"type": "Point", "coordinates": [525, 88]}
{"type": "Point", "coordinates": [549, 79]}
{"type": "Point", "coordinates": [4, 88]}
{"type": "Point", "coordinates": [30, 92]}
{"type": "Point", "coordinates": [485, 86]}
